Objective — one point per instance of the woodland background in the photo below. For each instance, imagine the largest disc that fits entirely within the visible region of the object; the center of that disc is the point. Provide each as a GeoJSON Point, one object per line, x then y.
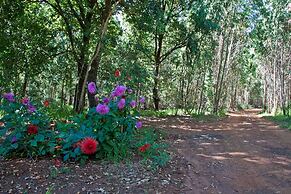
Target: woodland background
{"type": "Point", "coordinates": [191, 56]}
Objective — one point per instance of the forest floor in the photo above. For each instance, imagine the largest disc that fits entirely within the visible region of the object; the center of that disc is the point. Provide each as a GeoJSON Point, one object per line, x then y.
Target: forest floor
{"type": "Point", "coordinates": [242, 153]}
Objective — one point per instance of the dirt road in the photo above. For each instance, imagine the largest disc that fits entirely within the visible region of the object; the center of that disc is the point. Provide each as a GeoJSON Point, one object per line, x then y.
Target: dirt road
{"type": "Point", "coordinates": [242, 153]}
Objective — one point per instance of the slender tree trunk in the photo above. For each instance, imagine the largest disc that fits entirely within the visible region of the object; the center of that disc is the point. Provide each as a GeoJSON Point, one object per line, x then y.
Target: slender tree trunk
{"type": "Point", "coordinates": [220, 59]}
{"type": "Point", "coordinates": [159, 45]}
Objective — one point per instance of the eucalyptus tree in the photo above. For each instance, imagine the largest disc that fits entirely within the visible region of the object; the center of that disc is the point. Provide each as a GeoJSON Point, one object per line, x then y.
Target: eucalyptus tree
{"type": "Point", "coordinates": [164, 26]}
{"type": "Point", "coordinates": [271, 39]}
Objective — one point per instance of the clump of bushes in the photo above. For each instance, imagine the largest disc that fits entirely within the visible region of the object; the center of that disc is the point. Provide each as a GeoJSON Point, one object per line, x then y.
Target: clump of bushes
{"type": "Point", "coordinates": [111, 130]}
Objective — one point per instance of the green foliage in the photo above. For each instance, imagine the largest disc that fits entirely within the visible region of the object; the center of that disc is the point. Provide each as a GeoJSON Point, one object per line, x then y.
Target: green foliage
{"type": "Point", "coordinates": [56, 111]}
{"type": "Point", "coordinates": [283, 121]}
{"type": "Point", "coordinates": [154, 155]}
{"type": "Point", "coordinates": [15, 131]}
{"type": "Point", "coordinates": [55, 172]}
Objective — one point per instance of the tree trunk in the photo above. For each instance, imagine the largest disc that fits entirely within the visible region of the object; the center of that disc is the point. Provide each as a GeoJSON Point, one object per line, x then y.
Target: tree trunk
{"type": "Point", "coordinates": [25, 83]}
{"type": "Point", "coordinates": [159, 44]}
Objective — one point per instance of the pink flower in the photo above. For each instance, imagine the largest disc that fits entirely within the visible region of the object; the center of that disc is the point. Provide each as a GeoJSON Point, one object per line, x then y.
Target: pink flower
{"type": "Point", "coordinates": [31, 108]}
{"type": "Point", "coordinates": [106, 100]}
{"type": "Point", "coordinates": [142, 100]}
{"type": "Point", "coordinates": [112, 95]}
{"type": "Point", "coordinates": [9, 96]}
{"type": "Point", "coordinates": [138, 124]}
{"type": "Point", "coordinates": [119, 90]}
{"type": "Point", "coordinates": [121, 103]}
{"type": "Point", "coordinates": [133, 103]}
{"type": "Point", "coordinates": [25, 101]}
{"type": "Point", "coordinates": [129, 90]}
{"type": "Point", "coordinates": [92, 88]}
{"type": "Point", "coordinates": [102, 109]}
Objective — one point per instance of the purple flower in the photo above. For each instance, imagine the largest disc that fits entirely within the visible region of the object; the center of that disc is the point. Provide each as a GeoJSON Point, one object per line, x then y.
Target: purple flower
{"type": "Point", "coordinates": [112, 95]}
{"type": "Point", "coordinates": [119, 90]}
{"type": "Point", "coordinates": [96, 99]}
{"type": "Point", "coordinates": [142, 100]}
{"type": "Point", "coordinates": [13, 140]}
{"type": "Point", "coordinates": [92, 88]}
{"type": "Point", "coordinates": [138, 124]}
{"type": "Point", "coordinates": [121, 103]}
{"type": "Point", "coordinates": [31, 108]}
{"type": "Point", "coordinates": [133, 103]}
{"type": "Point", "coordinates": [106, 100]}
{"type": "Point", "coordinates": [102, 109]}
{"type": "Point", "coordinates": [129, 90]}
{"type": "Point", "coordinates": [9, 96]}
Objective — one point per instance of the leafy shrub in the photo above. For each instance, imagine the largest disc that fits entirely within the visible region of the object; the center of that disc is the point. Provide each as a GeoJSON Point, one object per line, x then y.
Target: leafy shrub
{"type": "Point", "coordinates": [151, 149]}
{"type": "Point", "coordinates": [111, 130]}
{"type": "Point", "coordinates": [283, 121]}
{"type": "Point", "coordinates": [24, 130]}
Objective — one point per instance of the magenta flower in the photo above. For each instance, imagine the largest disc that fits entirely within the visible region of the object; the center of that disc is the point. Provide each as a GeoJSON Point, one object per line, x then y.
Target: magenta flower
{"type": "Point", "coordinates": [121, 103]}
{"type": "Point", "coordinates": [92, 88]}
{"type": "Point", "coordinates": [142, 100]}
{"type": "Point", "coordinates": [25, 101]}
{"type": "Point", "coordinates": [106, 100]}
{"type": "Point", "coordinates": [31, 108]}
{"type": "Point", "coordinates": [112, 95]}
{"type": "Point", "coordinates": [129, 90]}
{"type": "Point", "coordinates": [119, 90]}
{"type": "Point", "coordinates": [138, 124]}
{"type": "Point", "coordinates": [102, 109]}
{"type": "Point", "coordinates": [14, 139]}
{"type": "Point", "coordinates": [133, 103]}
{"type": "Point", "coordinates": [9, 96]}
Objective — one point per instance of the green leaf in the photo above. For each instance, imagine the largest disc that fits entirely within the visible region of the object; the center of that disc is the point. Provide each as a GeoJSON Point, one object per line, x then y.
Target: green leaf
{"type": "Point", "coordinates": [66, 157]}
{"type": "Point", "coordinates": [33, 143]}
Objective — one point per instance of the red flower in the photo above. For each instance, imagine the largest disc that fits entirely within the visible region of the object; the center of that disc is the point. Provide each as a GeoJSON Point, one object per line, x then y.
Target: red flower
{"type": "Point", "coordinates": [32, 129]}
{"type": "Point", "coordinates": [89, 145]}
{"type": "Point", "coordinates": [117, 73]}
{"type": "Point", "coordinates": [46, 103]}
{"type": "Point", "coordinates": [144, 147]}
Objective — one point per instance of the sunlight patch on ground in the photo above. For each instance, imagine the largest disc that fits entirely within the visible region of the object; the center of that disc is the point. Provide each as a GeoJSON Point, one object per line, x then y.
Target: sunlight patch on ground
{"type": "Point", "coordinates": [209, 144]}
{"type": "Point", "coordinates": [258, 160]}
{"type": "Point", "coordinates": [213, 157]}
{"type": "Point", "coordinates": [233, 153]}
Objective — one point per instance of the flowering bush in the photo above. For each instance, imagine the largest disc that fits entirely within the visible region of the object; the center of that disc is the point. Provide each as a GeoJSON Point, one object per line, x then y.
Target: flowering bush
{"type": "Point", "coordinates": [111, 123]}
{"type": "Point", "coordinates": [109, 130]}
{"type": "Point", "coordinates": [25, 130]}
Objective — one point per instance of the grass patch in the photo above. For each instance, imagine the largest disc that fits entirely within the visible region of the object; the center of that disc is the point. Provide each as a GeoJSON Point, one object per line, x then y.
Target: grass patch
{"type": "Point", "coordinates": [281, 120]}
{"type": "Point", "coordinates": [162, 113]}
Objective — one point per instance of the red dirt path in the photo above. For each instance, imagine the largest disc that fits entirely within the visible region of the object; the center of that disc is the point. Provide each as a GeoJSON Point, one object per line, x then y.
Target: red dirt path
{"type": "Point", "coordinates": [242, 153]}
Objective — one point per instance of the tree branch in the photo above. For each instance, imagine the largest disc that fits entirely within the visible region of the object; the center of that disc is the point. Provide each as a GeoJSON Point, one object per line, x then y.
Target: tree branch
{"type": "Point", "coordinates": [165, 55]}
{"type": "Point", "coordinates": [80, 21]}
